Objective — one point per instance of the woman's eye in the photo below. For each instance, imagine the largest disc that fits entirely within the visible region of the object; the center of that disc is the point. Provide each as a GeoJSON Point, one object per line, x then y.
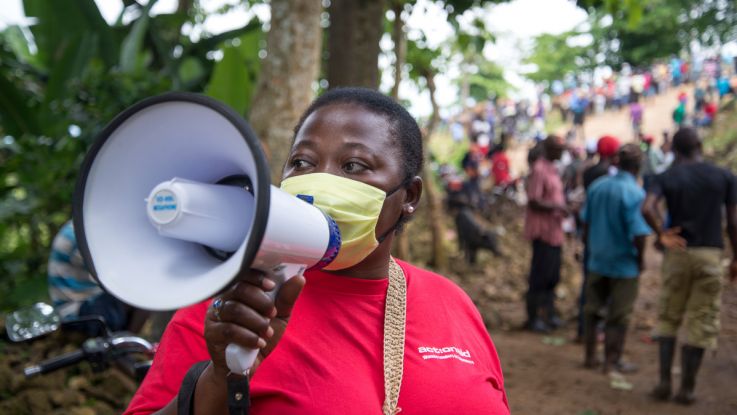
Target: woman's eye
{"type": "Point", "coordinates": [353, 167]}
{"type": "Point", "coordinates": [300, 164]}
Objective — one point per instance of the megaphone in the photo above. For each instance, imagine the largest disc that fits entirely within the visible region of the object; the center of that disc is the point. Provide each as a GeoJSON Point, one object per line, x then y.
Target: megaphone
{"type": "Point", "coordinates": [174, 200]}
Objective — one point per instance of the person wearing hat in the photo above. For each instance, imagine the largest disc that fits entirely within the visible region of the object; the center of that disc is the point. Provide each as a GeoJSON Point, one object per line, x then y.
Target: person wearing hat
{"type": "Point", "coordinates": [606, 147]}
{"type": "Point", "coordinates": [615, 232]}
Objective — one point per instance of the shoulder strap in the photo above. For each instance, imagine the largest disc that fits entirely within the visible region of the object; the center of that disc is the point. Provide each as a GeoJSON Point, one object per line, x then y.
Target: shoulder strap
{"type": "Point", "coordinates": [185, 399]}
{"type": "Point", "coordinates": [395, 319]}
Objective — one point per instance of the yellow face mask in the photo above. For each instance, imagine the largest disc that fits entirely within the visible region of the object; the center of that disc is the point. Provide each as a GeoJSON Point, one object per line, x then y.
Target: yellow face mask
{"type": "Point", "coordinates": [353, 205]}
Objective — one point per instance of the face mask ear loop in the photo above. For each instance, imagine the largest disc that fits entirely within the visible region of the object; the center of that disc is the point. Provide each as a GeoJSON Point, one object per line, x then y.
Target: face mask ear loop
{"type": "Point", "coordinates": [391, 230]}
{"type": "Point", "coordinates": [398, 223]}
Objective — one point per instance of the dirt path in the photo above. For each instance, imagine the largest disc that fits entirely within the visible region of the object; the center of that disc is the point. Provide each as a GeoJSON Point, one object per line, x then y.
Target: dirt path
{"type": "Point", "coordinates": [656, 119]}
{"type": "Point", "coordinates": [545, 377]}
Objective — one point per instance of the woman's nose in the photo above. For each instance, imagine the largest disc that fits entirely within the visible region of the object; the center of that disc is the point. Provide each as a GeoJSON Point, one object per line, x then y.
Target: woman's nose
{"type": "Point", "coordinates": [329, 167]}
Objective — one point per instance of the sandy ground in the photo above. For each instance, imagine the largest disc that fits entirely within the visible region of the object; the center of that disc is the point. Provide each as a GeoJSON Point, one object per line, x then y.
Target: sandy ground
{"type": "Point", "coordinates": [544, 374]}
{"type": "Point", "coordinates": [544, 377]}
{"type": "Point", "coordinates": [656, 119]}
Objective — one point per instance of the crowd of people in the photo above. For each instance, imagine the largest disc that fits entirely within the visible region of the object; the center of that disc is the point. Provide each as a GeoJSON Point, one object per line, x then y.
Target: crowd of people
{"type": "Point", "coordinates": [491, 127]}
{"type": "Point", "coordinates": [611, 196]}
{"type": "Point", "coordinates": [616, 217]}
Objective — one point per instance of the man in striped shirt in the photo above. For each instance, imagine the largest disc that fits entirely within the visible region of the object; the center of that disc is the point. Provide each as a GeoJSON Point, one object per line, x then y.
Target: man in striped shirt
{"type": "Point", "coordinates": [74, 291]}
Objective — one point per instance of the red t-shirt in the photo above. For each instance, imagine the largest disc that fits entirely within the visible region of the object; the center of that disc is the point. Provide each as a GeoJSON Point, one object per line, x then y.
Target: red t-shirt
{"type": "Point", "coordinates": [330, 359]}
{"type": "Point", "coordinates": [500, 168]}
{"type": "Point", "coordinates": [710, 109]}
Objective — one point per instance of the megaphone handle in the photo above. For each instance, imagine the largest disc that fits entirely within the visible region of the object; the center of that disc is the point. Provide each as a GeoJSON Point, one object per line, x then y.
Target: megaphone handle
{"type": "Point", "coordinates": [239, 359]}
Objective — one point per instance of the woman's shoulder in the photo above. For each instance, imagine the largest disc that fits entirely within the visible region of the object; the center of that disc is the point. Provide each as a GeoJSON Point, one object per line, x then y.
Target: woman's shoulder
{"type": "Point", "coordinates": [428, 284]}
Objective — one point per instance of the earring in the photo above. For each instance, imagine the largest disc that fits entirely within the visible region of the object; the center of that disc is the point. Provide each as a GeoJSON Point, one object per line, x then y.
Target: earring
{"type": "Point", "coordinates": [411, 209]}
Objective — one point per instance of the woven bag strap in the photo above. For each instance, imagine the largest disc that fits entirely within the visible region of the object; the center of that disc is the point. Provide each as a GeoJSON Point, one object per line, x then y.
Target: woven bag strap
{"type": "Point", "coordinates": [395, 320]}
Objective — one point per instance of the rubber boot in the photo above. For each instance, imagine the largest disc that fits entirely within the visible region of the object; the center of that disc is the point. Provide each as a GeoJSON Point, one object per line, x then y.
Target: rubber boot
{"type": "Point", "coordinates": [610, 348]}
{"type": "Point", "coordinates": [690, 361]}
{"type": "Point", "coordinates": [590, 342]}
{"type": "Point", "coordinates": [534, 322]}
{"type": "Point", "coordinates": [551, 315]}
{"type": "Point", "coordinates": [620, 364]}
{"type": "Point", "coordinates": [613, 350]}
{"type": "Point", "coordinates": [667, 348]}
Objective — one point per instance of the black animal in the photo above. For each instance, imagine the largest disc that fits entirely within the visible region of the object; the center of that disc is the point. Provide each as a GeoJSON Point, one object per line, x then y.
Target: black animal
{"type": "Point", "coordinates": [472, 236]}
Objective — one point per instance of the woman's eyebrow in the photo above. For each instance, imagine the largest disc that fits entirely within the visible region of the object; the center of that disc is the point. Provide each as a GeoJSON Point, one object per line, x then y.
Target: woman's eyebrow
{"type": "Point", "coordinates": [358, 146]}
{"type": "Point", "coordinates": [305, 143]}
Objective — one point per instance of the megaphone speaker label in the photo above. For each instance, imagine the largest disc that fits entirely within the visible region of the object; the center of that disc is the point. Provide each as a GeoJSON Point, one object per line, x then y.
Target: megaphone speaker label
{"type": "Point", "coordinates": [164, 206]}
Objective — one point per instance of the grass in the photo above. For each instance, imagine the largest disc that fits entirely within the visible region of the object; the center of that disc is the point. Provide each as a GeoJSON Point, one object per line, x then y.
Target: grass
{"type": "Point", "coordinates": [720, 143]}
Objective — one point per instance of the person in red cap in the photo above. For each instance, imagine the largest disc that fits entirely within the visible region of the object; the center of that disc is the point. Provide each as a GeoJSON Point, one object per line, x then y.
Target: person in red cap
{"type": "Point", "coordinates": [607, 148]}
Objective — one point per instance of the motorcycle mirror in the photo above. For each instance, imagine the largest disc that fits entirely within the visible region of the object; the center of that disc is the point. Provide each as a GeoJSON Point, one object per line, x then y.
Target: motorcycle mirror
{"type": "Point", "coordinates": [32, 322]}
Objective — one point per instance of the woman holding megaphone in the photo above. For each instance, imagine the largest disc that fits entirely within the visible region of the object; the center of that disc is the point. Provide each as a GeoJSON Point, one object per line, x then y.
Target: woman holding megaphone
{"type": "Point", "coordinates": [365, 335]}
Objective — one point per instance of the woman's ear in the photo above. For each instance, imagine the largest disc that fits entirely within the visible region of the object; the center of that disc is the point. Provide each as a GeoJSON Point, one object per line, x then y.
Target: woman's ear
{"type": "Point", "coordinates": [412, 198]}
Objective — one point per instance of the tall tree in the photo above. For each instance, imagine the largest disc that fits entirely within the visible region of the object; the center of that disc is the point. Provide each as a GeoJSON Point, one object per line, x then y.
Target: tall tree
{"type": "Point", "coordinates": [424, 62]}
{"type": "Point", "coordinates": [284, 88]}
{"type": "Point", "coordinates": [356, 27]}
{"type": "Point", "coordinates": [399, 37]}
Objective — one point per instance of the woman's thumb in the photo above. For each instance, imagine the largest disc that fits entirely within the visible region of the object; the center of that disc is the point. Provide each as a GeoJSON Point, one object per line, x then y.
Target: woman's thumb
{"type": "Point", "coordinates": [287, 296]}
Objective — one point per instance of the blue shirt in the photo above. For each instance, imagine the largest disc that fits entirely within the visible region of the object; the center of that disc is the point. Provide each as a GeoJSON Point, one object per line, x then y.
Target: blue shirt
{"type": "Point", "coordinates": [70, 284]}
{"type": "Point", "coordinates": [612, 212]}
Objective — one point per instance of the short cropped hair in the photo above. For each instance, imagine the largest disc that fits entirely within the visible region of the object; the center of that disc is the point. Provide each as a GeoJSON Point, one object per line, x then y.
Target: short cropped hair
{"type": "Point", "coordinates": [630, 157]}
{"type": "Point", "coordinates": [403, 127]}
{"type": "Point", "coordinates": [686, 142]}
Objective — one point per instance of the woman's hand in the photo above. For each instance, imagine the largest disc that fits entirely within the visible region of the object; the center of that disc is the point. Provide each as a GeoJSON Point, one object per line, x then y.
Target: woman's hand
{"type": "Point", "coordinates": [248, 318]}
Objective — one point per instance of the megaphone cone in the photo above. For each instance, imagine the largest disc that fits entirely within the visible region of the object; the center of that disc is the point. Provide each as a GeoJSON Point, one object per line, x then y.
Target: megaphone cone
{"type": "Point", "coordinates": [162, 225]}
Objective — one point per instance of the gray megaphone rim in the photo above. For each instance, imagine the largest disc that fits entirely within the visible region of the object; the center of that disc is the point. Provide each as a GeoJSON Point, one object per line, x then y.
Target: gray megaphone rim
{"type": "Point", "coordinates": [263, 180]}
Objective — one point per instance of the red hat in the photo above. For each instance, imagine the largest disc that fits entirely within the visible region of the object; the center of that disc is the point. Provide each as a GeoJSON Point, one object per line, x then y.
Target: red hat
{"type": "Point", "coordinates": [607, 146]}
{"type": "Point", "coordinates": [648, 138]}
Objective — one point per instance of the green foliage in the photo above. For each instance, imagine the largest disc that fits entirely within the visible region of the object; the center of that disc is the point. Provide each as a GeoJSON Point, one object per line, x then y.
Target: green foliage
{"type": "Point", "coordinates": [643, 31]}
{"type": "Point", "coordinates": [555, 58]}
{"type": "Point", "coordinates": [488, 82]}
{"type": "Point", "coordinates": [234, 77]}
{"type": "Point", "coordinates": [423, 61]}
{"type": "Point", "coordinates": [55, 99]}
{"type": "Point", "coordinates": [133, 42]}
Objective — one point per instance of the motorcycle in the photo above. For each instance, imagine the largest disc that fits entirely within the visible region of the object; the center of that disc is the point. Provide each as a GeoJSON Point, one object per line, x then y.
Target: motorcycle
{"type": "Point", "coordinates": [131, 354]}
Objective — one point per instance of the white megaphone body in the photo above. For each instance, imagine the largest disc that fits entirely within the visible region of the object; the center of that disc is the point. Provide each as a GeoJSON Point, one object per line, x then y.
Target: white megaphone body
{"type": "Point", "coordinates": [175, 199]}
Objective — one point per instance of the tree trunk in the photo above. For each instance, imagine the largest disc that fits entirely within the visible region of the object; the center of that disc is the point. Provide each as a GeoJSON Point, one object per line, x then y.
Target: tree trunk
{"type": "Point", "coordinates": [434, 200]}
{"type": "Point", "coordinates": [356, 27]}
{"type": "Point", "coordinates": [284, 88]}
{"type": "Point", "coordinates": [400, 46]}
{"type": "Point", "coordinates": [183, 6]}
{"type": "Point", "coordinates": [402, 246]}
